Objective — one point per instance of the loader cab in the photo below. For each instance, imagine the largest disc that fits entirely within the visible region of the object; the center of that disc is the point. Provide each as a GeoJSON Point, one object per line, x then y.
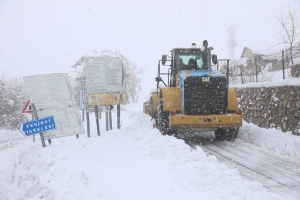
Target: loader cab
{"type": "Point", "coordinates": [186, 59]}
{"type": "Point", "coordinates": [192, 59]}
{"type": "Point", "coordinates": [189, 59]}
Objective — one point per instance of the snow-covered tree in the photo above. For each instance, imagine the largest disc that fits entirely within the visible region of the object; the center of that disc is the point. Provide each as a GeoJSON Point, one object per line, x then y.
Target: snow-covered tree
{"type": "Point", "coordinates": [75, 80]}
{"type": "Point", "coordinates": [287, 19]}
{"type": "Point", "coordinates": [13, 97]}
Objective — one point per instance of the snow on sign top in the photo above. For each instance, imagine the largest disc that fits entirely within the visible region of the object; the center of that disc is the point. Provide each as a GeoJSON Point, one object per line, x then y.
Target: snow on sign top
{"type": "Point", "coordinates": [50, 91]}
{"type": "Point", "coordinates": [104, 74]}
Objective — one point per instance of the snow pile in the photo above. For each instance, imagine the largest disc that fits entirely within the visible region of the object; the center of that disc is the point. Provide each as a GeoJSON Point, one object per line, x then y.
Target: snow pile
{"type": "Point", "coordinates": [271, 79]}
{"type": "Point", "coordinates": [271, 139]}
{"type": "Point", "coordinates": [136, 162]}
{"type": "Point", "coordinates": [296, 61]}
{"type": "Point", "coordinates": [10, 135]}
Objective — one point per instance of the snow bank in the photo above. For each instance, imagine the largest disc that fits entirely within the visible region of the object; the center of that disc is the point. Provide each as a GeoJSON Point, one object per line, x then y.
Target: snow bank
{"type": "Point", "coordinates": [296, 61]}
{"type": "Point", "coordinates": [10, 135]}
{"type": "Point", "coordinates": [136, 162]}
{"type": "Point", "coordinates": [274, 140]}
{"type": "Point", "coordinates": [271, 79]}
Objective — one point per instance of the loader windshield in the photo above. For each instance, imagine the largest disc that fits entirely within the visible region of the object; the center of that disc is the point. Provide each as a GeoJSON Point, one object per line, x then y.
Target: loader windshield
{"type": "Point", "coordinates": [192, 62]}
{"type": "Point", "coordinates": [189, 62]}
{"type": "Point", "coordinates": [191, 59]}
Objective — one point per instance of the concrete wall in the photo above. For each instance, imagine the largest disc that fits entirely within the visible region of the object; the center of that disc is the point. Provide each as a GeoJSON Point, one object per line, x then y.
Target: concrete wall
{"type": "Point", "coordinates": [270, 107]}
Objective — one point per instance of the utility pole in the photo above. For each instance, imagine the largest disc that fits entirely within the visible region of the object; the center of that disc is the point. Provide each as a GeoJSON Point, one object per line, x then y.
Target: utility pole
{"type": "Point", "coordinates": [231, 43]}
{"type": "Point", "coordinates": [241, 74]}
{"type": "Point", "coordinates": [283, 64]}
{"type": "Point", "coordinates": [255, 62]}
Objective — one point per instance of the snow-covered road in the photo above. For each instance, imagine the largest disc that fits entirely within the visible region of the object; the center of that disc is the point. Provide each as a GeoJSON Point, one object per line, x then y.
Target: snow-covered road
{"type": "Point", "coordinates": [277, 173]}
{"type": "Point", "coordinates": [137, 162]}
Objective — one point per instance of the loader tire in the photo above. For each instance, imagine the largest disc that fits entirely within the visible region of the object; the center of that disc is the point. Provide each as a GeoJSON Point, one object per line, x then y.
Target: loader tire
{"type": "Point", "coordinates": [226, 134]}
{"type": "Point", "coordinates": [220, 134]}
{"type": "Point", "coordinates": [152, 113]}
{"type": "Point", "coordinates": [162, 118]}
{"type": "Point", "coordinates": [151, 108]}
{"type": "Point", "coordinates": [163, 121]}
{"type": "Point", "coordinates": [232, 134]}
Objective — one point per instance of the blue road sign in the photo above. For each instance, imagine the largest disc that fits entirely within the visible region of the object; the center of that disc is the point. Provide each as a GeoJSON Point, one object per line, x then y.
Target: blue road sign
{"type": "Point", "coordinates": [38, 126]}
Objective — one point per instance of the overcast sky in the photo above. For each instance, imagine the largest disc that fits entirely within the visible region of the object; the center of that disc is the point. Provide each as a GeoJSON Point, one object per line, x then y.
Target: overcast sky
{"type": "Point", "coordinates": [48, 36]}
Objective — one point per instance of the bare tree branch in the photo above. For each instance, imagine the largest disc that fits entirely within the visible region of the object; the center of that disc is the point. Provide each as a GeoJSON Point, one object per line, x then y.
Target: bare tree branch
{"type": "Point", "coordinates": [288, 21]}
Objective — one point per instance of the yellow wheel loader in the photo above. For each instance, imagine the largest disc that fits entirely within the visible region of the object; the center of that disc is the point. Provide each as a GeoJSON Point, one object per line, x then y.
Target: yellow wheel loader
{"type": "Point", "coordinates": [195, 97]}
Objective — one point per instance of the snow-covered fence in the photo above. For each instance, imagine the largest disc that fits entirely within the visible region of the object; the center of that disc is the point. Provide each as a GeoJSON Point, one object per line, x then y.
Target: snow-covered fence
{"type": "Point", "coordinates": [244, 70]}
{"type": "Point", "coordinates": [272, 107]}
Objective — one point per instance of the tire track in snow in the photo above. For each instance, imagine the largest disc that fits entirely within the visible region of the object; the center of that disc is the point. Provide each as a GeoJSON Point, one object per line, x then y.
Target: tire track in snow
{"type": "Point", "coordinates": [252, 163]}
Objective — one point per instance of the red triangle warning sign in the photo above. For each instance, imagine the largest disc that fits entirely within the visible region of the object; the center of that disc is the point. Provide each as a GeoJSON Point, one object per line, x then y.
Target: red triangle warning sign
{"type": "Point", "coordinates": [26, 109]}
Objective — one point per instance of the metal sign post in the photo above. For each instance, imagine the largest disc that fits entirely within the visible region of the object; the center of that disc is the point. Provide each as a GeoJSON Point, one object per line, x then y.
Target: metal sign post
{"type": "Point", "coordinates": [33, 137]}
{"type": "Point", "coordinates": [88, 123]}
{"type": "Point", "coordinates": [110, 120]}
{"type": "Point", "coordinates": [106, 117]}
{"type": "Point", "coordinates": [118, 116]}
{"type": "Point", "coordinates": [83, 97]}
{"type": "Point", "coordinates": [82, 115]}
{"type": "Point", "coordinates": [97, 120]}
{"type": "Point", "coordinates": [36, 117]}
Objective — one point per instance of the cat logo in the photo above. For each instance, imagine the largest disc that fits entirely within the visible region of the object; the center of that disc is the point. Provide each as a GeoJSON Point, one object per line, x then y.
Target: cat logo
{"type": "Point", "coordinates": [205, 79]}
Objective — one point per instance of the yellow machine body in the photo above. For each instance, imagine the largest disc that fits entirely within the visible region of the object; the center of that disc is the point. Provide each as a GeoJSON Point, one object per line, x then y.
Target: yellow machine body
{"type": "Point", "coordinates": [171, 101]}
{"type": "Point", "coordinates": [171, 98]}
{"type": "Point", "coordinates": [205, 122]}
{"type": "Point", "coordinates": [232, 100]}
{"type": "Point", "coordinates": [155, 97]}
{"type": "Point", "coordinates": [146, 108]}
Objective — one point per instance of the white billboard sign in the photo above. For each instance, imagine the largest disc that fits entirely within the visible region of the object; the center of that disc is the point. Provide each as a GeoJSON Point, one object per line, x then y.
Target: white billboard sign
{"type": "Point", "coordinates": [104, 75]}
{"type": "Point", "coordinates": [50, 91]}
{"type": "Point", "coordinates": [52, 94]}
